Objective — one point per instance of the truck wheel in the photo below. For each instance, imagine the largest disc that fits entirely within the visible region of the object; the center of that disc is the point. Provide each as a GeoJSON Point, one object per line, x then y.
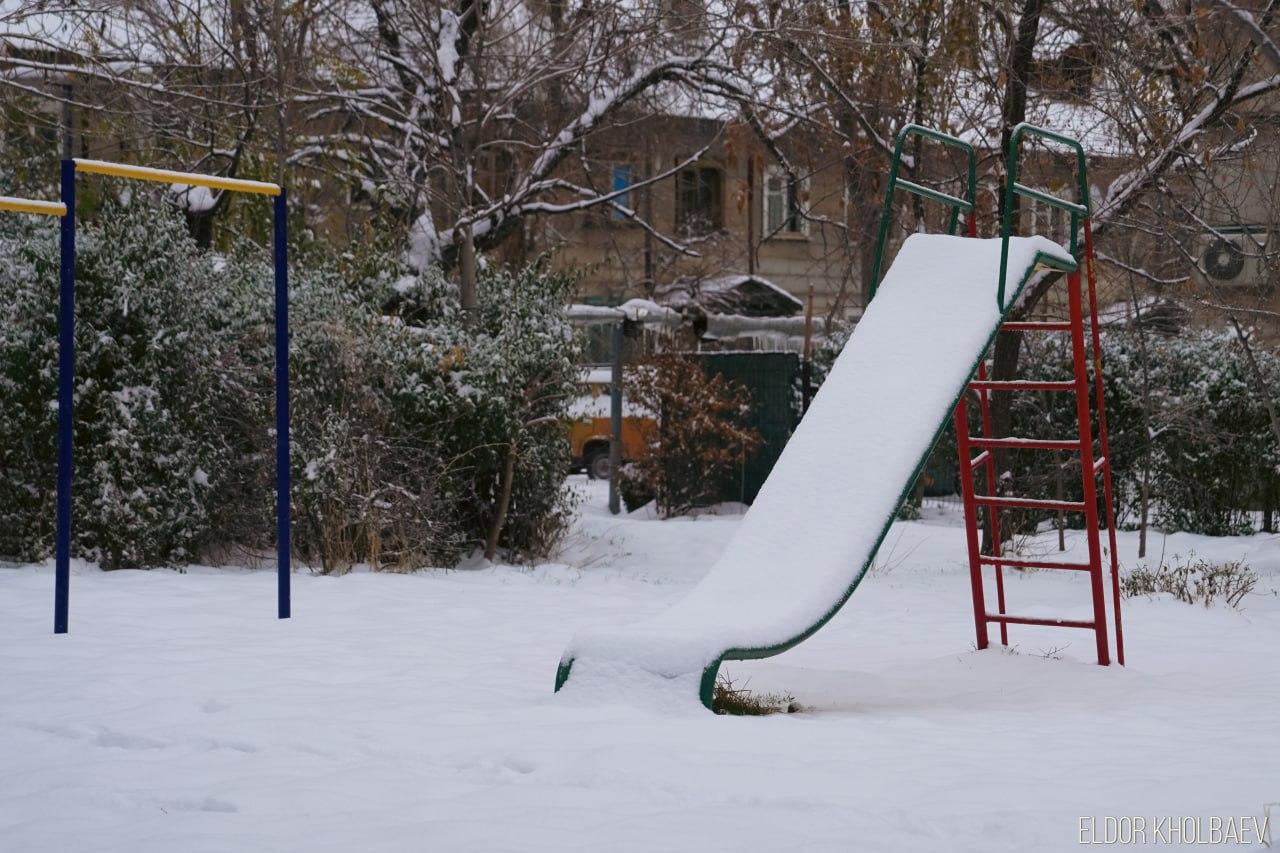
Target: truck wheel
{"type": "Point", "coordinates": [598, 467]}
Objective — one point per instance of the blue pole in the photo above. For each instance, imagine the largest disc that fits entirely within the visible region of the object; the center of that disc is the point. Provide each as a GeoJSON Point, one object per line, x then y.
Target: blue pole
{"type": "Point", "coordinates": [283, 488]}
{"type": "Point", "coordinates": [66, 392]}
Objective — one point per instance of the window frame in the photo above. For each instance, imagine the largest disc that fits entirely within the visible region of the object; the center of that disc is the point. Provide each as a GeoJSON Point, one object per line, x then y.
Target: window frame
{"type": "Point", "coordinates": [794, 224]}
{"type": "Point", "coordinates": [715, 221]}
{"type": "Point", "coordinates": [626, 199]}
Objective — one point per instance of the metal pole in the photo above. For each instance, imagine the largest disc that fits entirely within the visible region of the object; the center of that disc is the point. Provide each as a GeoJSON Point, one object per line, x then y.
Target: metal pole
{"type": "Point", "coordinates": [615, 422]}
{"type": "Point", "coordinates": [283, 486]}
{"type": "Point", "coordinates": [1087, 471]}
{"type": "Point", "coordinates": [806, 363]}
{"type": "Point", "coordinates": [1104, 445]}
{"type": "Point", "coordinates": [971, 521]}
{"type": "Point", "coordinates": [66, 397]}
{"type": "Point", "coordinates": [993, 489]}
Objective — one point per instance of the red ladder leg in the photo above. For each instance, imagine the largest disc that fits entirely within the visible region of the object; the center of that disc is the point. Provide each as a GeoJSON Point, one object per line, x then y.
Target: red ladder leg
{"type": "Point", "coordinates": [993, 488]}
{"type": "Point", "coordinates": [1103, 442]}
{"type": "Point", "coordinates": [971, 521]}
{"type": "Point", "coordinates": [1087, 470]}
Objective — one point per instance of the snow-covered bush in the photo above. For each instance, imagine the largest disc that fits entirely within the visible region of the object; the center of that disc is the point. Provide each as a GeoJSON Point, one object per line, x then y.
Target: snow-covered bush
{"type": "Point", "coordinates": [1185, 416]}
{"type": "Point", "coordinates": [403, 420]}
{"type": "Point", "coordinates": [701, 437]}
{"type": "Point", "coordinates": [1197, 419]}
{"type": "Point", "coordinates": [827, 348]}
{"type": "Point", "coordinates": [150, 374]}
{"type": "Point", "coordinates": [403, 423]}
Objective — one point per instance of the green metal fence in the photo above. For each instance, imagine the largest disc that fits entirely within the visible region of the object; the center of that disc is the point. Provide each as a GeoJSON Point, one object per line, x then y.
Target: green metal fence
{"type": "Point", "coordinates": [773, 381]}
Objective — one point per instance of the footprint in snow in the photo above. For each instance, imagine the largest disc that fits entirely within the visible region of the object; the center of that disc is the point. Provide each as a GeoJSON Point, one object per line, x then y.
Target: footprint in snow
{"type": "Point", "coordinates": [120, 740]}
{"type": "Point", "coordinates": [198, 804]}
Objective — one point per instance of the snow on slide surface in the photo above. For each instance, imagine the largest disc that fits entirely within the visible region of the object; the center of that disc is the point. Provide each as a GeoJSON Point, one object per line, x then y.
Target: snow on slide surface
{"type": "Point", "coordinates": [815, 526]}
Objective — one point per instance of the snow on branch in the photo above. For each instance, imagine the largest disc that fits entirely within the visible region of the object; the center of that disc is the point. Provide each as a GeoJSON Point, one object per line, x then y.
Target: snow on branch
{"type": "Point", "coordinates": [1244, 21]}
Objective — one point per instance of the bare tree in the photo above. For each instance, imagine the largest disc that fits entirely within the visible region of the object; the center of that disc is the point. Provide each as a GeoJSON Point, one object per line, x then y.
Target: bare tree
{"type": "Point", "coordinates": [180, 83]}
{"type": "Point", "coordinates": [461, 120]}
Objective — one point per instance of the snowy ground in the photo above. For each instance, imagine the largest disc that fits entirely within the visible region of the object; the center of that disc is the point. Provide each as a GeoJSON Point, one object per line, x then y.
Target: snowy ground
{"type": "Point", "coordinates": [407, 713]}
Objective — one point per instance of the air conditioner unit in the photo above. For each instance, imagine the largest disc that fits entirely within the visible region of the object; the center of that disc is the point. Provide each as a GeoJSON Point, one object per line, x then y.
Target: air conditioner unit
{"type": "Point", "coordinates": [1235, 256]}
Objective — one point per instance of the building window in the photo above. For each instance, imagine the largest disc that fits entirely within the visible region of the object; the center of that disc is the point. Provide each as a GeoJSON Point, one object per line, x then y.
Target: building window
{"type": "Point", "coordinates": [782, 197]}
{"type": "Point", "coordinates": [621, 179]}
{"type": "Point", "coordinates": [1048, 221]}
{"type": "Point", "coordinates": [699, 199]}
{"type": "Point", "coordinates": [494, 169]}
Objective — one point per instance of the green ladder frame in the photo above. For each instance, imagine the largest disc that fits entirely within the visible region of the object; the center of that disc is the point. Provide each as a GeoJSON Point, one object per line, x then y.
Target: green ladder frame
{"type": "Point", "coordinates": [967, 205]}
{"type": "Point", "coordinates": [1079, 210]}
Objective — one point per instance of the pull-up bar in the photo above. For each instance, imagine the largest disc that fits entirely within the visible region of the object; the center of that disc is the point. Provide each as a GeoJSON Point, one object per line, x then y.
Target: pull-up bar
{"type": "Point", "coordinates": [167, 176]}
{"type": "Point", "coordinates": [30, 205]}
{"type": "Point", "coordinates": [66, 354]}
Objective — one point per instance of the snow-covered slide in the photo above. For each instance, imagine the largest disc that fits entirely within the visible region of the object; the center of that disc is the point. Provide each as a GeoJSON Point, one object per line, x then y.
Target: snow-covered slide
{"type": "Point", "coordinates": [815, 527]}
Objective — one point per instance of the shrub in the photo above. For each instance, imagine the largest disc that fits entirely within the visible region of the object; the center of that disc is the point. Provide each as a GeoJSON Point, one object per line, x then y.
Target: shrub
{"type": "Point", "coordinates": [633, 490]}
{"type": "Point", "coordinates": [403, 420]}
{"type": "Point", "coordinates": [701, 435]}
{"type": "Point", "coordinates": [731, 700]}
{"type": "Point", "coordinates": [1194, 580]}
{"type": "Point", "coordinates": [151, 377]}
{"type": "Point", "coordinates": [1184, 406]}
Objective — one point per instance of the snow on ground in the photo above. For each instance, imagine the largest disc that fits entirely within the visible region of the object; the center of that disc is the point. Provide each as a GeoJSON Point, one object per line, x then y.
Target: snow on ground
{"type": "Point", "coordinates": [414, 712]}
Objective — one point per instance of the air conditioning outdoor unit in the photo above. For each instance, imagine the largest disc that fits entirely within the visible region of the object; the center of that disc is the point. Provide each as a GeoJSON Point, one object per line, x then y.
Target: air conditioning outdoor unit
{"type": "Point", "coordinates": [1234, 257]}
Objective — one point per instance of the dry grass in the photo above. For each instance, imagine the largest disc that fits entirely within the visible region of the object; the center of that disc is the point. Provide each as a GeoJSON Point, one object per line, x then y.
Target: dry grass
{"type": "Point", "coordinates": [1194, 581]}
{"type": "Point", "coordinates": [741, 702]}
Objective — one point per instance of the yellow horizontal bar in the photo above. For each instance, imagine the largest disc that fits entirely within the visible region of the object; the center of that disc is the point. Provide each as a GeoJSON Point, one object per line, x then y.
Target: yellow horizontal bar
{"type": "Point", "coordinates": [30, 205]}
{"type": "Point", "coordinates": [165, 176]}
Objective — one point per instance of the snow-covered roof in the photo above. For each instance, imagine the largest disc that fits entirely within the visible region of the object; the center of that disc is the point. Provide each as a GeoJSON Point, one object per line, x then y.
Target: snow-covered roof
{"type": "Point", "coordinates": [744, 294]}
{"type": "Point", "coordinates": [635, 310]}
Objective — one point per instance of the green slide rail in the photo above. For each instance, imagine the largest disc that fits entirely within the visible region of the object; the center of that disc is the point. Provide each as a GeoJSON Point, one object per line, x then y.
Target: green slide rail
{"type": "Point", "coordinates": [1079, 210]}
{"type": "Point", "coordinates": [958, 205]}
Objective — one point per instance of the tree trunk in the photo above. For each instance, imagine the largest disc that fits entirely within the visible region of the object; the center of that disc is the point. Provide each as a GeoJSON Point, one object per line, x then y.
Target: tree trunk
{"type": "Point", "coordinates": [1144, 492]}
{"type": "Point", "coordinates": [504, 502]}
{"type": "Point", "coordinates": [1008, 346]}
{"type": "Point", "coordinates": [1004, 365]}
{"type": "Point", "coordinates": [467, 274]}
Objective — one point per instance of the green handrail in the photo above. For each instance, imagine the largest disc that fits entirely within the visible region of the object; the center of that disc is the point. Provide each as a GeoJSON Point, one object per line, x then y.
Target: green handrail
{"type": "Point", "coordinates": [956, 203]}
{"type": "Point", "coordinates": [1079, 210]}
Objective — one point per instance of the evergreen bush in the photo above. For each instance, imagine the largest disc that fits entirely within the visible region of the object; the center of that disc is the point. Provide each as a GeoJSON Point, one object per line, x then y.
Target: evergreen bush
{"type": "Point", "coordinates": [404, 415]}
{"type": "Point", "coordinates": [1183, 412]}
{"type": "Point", "coordinates": [150, 372]}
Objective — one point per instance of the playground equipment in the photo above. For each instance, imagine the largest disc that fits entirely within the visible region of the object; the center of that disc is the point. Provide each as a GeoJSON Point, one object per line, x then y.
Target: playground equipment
{"type": "Point", "coordinates": [66, 353]}
{"type": "Point", "coordinates": [1091, 467]}
{"type": "Point", "coordinates": [32, 206]}
{"type": "Point", "coordinates": [815, 527]}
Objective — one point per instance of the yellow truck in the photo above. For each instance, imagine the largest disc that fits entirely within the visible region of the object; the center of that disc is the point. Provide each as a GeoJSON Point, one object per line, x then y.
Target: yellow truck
{"type": "Point", "coordinates": [590, 428]}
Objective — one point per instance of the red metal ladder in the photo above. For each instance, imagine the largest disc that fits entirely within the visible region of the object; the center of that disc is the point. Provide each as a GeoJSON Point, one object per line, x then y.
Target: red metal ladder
{"type": "Point", "coordinates": [1092, 466]}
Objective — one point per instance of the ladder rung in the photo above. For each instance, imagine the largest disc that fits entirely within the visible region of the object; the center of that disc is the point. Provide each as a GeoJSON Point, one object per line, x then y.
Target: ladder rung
{"type": "Point", "coordinates": [1016, 563]}
{"type": "Point", "coordinates": [1035, 326]}
{"type": "Point", "coordinates": [945, 198]}
{"type": "Point", "coordinates": [1026, 443]}
{"type": "Point", "coordinates": [979, 459]}
{"type": "Point", "coordinates": [1050, 200]}
{"type": "Point", "coordinates": [1030, 620]}
{"type": "Point", "coordinates": [1099, 463]}
{"type": "Point", "coordinates": [1028, 503]}
{"type": "Point", "coordinates": [1020, 385]}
